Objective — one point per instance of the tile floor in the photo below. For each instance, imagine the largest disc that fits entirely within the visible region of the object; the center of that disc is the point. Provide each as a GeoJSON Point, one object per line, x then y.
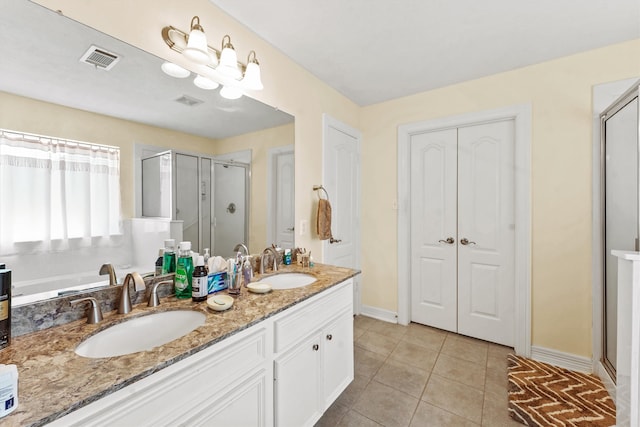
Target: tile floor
{"type": "Point", "coordinates": [420, 376]}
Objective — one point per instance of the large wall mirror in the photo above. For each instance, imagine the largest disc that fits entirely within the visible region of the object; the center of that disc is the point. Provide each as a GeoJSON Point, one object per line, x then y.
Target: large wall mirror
{"type": "Point", "coordinates": [46, 89]}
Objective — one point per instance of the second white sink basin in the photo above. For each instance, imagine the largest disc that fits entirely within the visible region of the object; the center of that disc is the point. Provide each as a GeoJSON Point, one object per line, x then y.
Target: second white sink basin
{"type": "Point", "coordinates": [288, 280]}
{"type": "Point", "coordinates": [141, 333]}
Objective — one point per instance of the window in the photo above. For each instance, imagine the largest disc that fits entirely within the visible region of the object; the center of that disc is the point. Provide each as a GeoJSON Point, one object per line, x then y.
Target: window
{"type": "Point", "coordinates": [54, 192]}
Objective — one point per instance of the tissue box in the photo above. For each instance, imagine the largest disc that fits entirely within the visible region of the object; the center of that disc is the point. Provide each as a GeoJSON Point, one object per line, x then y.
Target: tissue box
{"type": "Point", "coordinates": [216, 281]}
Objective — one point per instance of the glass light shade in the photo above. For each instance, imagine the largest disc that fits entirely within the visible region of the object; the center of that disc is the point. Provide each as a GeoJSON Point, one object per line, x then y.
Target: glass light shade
{"type": "Point", "coordinates": [230, 92]}
{"type": "Point", "coordinates": [229, 63]}
{"type": "Point", "coordinates": [251, 78]}
{"type": "Point", "coordinates": [174, 70]}
{"type": "Point", "coordinates": [196, 49]}
{"type": "Point", "coordinates": [205, 83]}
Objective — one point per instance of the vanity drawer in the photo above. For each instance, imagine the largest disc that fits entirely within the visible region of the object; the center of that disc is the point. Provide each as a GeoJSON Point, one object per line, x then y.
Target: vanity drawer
{"type": "Point", "coordinates": [311, 315]}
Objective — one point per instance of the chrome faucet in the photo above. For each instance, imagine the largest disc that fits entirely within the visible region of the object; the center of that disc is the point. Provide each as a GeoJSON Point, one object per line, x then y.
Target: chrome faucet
{"type": "Point", "coordinates": [124, 306]}
{"type": "Point", "coordinates": [154, 301]}
{"type": "Point", "coordinates": [108, 269]}
{"type": "Point", "coordinates": [263, 257]}
{"type": "Point", "coordinates": [241, 246]}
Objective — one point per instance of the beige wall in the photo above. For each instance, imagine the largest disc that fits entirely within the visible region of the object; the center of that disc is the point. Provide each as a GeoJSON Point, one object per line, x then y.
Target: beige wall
{"type": "Point", "coordinates": [259, 143]}
{"type": "Point", "coordinates": [560, 95]}
{"type": "Point", "coordinates": [559, 92]}
{"type": "Point", "coordinates": [32, 116]}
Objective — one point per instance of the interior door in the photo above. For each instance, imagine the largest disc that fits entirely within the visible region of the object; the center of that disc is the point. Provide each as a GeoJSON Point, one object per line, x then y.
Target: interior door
{"type": "Point", "coordinates": [434, 229]}
{"type": "Point", "coordinates": [486, 232]}
{"type": "Point", "coordinates": [463, 230]}
{"type": "Point", "coordinates": [284, 179]}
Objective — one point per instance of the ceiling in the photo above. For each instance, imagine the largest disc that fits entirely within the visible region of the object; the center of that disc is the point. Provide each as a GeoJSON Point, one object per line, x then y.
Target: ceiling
{"type": "Point", "coordinates": [375, 50]}
{"type": "Point", "coordinates": [44, 50]}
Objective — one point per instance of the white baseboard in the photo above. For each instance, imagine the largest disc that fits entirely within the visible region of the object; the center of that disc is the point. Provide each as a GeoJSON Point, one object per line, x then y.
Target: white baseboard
{"type": "Point", "coordinates": [562, 359]}
{"type": "Point", "coordinates": [606, 380]}
{"type": "Point", "coordinates": [379, 313]}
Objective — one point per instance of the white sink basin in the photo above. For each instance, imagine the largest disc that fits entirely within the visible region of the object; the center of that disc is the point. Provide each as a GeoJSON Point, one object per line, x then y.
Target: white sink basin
{"type": "Point", "coordinates": [288, 280]}
{"type": "Point", "coordinates": [141, 333]}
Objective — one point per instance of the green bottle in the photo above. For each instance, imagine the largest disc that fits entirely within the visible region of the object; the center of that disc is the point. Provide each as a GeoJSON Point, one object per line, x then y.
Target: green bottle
{"type": "Point", "coordinates": [184, 271]}
{"type": "Point", "coordinates": [169, 257]}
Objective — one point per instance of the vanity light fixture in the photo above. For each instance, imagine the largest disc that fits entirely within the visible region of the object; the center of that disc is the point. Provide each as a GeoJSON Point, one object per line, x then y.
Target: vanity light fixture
{"type": "Point", "coordinates": [213, 67]}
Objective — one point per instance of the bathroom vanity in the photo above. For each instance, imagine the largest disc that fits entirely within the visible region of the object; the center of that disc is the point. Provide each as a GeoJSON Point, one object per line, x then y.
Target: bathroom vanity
{"type": "Point", "coordinates": [276, 359]}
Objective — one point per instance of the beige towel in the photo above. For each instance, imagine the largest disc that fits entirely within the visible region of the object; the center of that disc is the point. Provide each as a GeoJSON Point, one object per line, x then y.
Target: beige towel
{"type": "Point", "coordinates": [323, 223]}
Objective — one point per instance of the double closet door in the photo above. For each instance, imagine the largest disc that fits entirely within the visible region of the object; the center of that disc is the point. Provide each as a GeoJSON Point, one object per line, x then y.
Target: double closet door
{"type": "Point", "coordinates": [463, 230]}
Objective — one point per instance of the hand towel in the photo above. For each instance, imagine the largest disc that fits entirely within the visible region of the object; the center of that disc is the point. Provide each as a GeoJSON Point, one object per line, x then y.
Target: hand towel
{"type": "Point", "coordinates": [323, 223]}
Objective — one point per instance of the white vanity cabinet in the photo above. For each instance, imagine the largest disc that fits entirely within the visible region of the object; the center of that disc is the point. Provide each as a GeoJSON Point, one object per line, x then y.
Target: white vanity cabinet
{"type": "Point", "coordinates": [313, 345]}
{"type": "Point", "coordinates": [227, 384]}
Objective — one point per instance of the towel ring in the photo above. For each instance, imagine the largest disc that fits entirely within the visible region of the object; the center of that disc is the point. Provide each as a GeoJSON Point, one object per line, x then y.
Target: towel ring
{"type": "Point", "coordinates": [321, 188]}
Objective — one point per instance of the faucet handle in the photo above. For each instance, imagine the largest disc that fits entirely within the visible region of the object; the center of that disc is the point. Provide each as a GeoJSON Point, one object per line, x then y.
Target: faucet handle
{"type": "Point", "coordinates": [154, 301]}
{"type": "Point", "coordinates": [95, 313]}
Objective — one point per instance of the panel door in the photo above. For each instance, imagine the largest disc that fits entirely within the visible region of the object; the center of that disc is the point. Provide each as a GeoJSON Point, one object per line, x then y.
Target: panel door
{"type": "Point", "coordinates": [486, 232]}
{"type": "Point", "coordinates": [434, 229]}
{"type": "Point", "coordinates": [284, 203]}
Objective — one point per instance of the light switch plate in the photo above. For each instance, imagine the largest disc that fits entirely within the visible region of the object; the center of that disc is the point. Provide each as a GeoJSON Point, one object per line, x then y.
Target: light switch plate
{"type": "Point", "coordinates": [304, 225]}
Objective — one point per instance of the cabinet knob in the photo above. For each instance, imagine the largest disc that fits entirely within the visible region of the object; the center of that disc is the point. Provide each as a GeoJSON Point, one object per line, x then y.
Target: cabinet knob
{"type": "Point", "coordinates": [329, 337]}
{"type": "Point", "coordinates": [316, 347]}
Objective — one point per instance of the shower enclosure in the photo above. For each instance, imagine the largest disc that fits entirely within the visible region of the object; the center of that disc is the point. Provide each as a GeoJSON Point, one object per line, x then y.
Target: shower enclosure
{"type": "Point", "coordinates": [210, 196]}
{"type": "Point", "coordinates": [620, 209]}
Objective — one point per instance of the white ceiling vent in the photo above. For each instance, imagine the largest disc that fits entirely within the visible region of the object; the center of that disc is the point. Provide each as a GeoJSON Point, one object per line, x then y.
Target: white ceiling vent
{"type": "Point", "coordinates": [189, 100]}
{"type": "Point", "coordinates": [100, 58]}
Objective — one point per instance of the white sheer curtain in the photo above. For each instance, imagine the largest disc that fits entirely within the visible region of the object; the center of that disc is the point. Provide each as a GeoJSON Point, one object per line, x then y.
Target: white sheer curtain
{"type": "Point", "coordinates": [56, 194]}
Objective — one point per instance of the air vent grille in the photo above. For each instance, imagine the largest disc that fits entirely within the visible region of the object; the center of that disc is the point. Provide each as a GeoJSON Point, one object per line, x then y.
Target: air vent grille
{"type": "Point", "coordinates": [100, 58]}
{"type": "Point", "coordinates": [189, 100]}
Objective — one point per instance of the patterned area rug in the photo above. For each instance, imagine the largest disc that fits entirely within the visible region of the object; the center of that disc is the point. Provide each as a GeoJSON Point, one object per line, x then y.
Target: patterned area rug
{"type": "Point", "coordinates": [544, 395]}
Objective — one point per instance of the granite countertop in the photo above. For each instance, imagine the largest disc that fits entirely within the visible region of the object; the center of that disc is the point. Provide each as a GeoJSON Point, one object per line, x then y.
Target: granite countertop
{"type": "Point", "coordinates": [54, 381]}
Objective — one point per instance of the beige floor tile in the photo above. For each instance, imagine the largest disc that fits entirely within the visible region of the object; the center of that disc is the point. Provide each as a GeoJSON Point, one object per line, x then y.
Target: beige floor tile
{"type": "Point", "coordinates": [367, 362]}
{"type": "Point", "coordinates": [352, 393]}
{"type": "Point", "coordinates": [354, 419]}
{"type": "Point", "coordinates": [454, 397]}
{"type": "Point", "coordinates": [499, 351]}
{"type": "Point", "coordinates": [415, 355]}
{"type": "Point", "coordinates": [357, 333]}
{"type": "Point", "coordinates": [496, 414]}
{"type": "Point", "coordinates": [497, 364]}
{"type": "Point", "coordinates": [461, 371]}
{"type": "Point", "coordinates": [386, 405]}
{"type": "Point", "coordinates": [496, 382]}
{"type": "Point", "coordinates": [389, 329]}
{"type": "Point", "coordinates": [377, 343]}
{"type": "Point", "coordinates": [466, 348]}
{"type": "Point", "coordinates": [332, 416]}
{"type": "Point", "coordinates": [425, 336]}
{"type": "Point", "coordinates": [403, 377]}
{"type": "Point", "coordinates": [432, 416]}
{"type": "Point", "coordinates": [363, 322]}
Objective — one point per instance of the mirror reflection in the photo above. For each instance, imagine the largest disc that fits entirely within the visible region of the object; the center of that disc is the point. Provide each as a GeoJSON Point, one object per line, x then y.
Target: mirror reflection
{"type": "Point", "coordinates": [235, 155]}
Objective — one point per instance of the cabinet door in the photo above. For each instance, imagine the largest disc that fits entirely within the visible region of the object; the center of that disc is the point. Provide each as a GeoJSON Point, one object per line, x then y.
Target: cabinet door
{"type": "Point", "coordinates": [338, 356]}
{"type": "Point", "coordinates": [297, 397]}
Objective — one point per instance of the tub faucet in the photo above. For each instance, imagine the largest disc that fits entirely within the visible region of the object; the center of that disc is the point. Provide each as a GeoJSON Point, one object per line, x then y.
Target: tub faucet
{"type": "Point", "coordinates": [124, 306]}
{"type": "Point", "coordinates": [263, 257]}
{"type": "Point", "coordinates": [108, 269]}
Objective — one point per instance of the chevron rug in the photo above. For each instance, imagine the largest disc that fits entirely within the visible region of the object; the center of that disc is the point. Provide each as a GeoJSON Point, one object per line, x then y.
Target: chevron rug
{"type": "Point", "coordinates": [545, 395]}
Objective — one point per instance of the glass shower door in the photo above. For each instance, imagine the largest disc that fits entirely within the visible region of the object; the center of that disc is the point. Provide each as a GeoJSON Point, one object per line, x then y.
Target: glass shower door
{"type": "Point", "coordinates": [620, 210]}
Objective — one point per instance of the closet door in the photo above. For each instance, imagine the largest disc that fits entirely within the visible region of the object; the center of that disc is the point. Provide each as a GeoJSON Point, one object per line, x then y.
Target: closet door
{"type": "Point", "coordinates": [486, 232]}
{"type": "Point", "coordinates": [433, 229]}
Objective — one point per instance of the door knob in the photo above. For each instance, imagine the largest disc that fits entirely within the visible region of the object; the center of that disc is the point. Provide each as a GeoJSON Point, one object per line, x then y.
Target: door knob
{"type": "Point", "coordinates": [332, 240]}
{"type": "Point", "coordinates": [466, 242]}
{"type": "Point", "coordinates": [449, 240]}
